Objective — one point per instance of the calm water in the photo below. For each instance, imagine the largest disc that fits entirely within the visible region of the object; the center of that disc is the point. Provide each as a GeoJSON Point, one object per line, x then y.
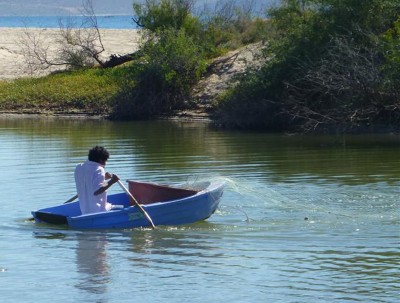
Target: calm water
{"type": "Point", "coordinates": [107, 21]}
{"type": "Point", "coordinates": [258, 247]}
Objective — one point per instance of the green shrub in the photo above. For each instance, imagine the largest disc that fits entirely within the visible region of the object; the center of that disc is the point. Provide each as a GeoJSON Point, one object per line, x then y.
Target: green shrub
{"type": "Point", "coordinates": [158, 15]}
{"type": "Point", "coordinates": [163, 78]}
{"type": "Point", "coordinates": [391, 50]}
{"type": "Point", "coordinates": [325, 67]}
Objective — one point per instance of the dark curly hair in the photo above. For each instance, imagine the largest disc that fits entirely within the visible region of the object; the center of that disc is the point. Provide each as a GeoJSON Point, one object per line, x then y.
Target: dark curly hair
{"type": "Point", "coordinates": [98, 154]}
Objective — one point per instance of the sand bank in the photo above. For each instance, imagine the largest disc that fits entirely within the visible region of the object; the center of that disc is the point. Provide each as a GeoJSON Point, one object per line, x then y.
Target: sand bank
{"type": "Point", "coordinates": [12, 61]}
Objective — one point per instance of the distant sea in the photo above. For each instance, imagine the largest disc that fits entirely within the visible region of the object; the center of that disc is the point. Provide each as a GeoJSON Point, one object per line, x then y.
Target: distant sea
{"type": "Point", "coordinates": [105, 22]}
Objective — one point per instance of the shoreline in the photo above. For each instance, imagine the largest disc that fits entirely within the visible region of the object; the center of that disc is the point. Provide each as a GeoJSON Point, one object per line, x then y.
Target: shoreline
{"type": "Point", "coordinates": [6, 115]}
{"type": "Point", "coordinates": [183, 116]}
{"type": "Point", "coordinates": [191, 117]}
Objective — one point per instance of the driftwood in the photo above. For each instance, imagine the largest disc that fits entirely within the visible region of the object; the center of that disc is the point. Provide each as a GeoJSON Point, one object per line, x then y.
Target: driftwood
{"type": "Point", "coordinates": [116, 60]}
{"type": "Point", "coordinates": [220, 63]}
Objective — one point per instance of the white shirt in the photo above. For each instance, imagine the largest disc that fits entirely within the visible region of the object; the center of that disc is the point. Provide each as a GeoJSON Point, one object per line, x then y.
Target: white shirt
{"type": "Point", "coordinates": [89, 177]}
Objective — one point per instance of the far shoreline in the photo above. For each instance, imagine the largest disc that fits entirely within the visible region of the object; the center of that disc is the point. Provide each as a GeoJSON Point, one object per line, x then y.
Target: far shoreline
{"type": "Point", "coordinates": [51, 21]}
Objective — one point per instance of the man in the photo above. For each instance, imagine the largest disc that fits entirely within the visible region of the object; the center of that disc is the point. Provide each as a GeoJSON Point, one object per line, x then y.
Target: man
{"type": "Point", "coordinates": [90, 181]}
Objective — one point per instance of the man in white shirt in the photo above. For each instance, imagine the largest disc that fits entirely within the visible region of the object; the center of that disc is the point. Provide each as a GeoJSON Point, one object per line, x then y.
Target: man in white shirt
{"type": "Point", "coordinates": [90, 181]}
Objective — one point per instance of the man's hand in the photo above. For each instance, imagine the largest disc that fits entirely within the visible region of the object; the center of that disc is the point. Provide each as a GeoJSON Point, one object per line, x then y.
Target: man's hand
{"type": "Point", "coordinates": [114, 179]}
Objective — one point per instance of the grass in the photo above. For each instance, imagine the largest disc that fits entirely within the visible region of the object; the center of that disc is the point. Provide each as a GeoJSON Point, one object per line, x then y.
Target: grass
{"type": "Point", "coordinates": [90, 90]}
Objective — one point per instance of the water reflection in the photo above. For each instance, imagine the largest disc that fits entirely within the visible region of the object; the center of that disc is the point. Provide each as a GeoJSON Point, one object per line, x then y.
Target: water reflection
{"type": "Point", "coordinates": [92, 263]}
{"type": "Point", "coordinates": [178, 149]}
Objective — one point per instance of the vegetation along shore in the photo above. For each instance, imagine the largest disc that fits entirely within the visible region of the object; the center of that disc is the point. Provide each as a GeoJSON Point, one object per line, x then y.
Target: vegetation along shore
{"type": "Point", "coordinates": [306, 65]}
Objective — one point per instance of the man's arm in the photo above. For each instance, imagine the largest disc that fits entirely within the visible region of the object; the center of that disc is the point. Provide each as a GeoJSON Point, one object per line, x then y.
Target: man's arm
{"type": "Point", "coordinates": [114, 178]}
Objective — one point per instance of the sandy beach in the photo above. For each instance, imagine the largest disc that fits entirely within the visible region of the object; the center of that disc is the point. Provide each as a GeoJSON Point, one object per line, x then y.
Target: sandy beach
{"type": "Point", "coordinates": [12, 61]}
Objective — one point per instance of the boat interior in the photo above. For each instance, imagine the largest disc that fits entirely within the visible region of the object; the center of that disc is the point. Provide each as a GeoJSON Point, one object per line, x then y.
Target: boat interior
{"type": "Point", "coordinates": [147, 193]}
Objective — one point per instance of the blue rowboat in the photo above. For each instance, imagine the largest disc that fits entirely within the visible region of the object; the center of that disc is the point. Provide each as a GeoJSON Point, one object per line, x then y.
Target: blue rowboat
{"type": "Point", "coordinates": [166, 205]}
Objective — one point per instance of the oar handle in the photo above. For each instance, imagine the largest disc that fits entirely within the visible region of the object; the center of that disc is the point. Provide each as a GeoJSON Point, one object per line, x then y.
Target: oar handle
{"type": "Point", "coordinates": [71, 199]}
{"type": "Point", "coordinates": [137, 204]}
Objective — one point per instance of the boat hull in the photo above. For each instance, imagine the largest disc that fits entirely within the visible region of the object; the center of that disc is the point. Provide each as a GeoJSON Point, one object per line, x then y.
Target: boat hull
{"type": "Point", "coordinates": [193, 208]}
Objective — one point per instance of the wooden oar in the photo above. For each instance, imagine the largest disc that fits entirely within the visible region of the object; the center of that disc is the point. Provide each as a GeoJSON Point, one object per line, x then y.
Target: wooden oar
{"type": "Point", "coordinates": [71, 199]}
{"type": "Point", "coordinates": [137, 204]}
